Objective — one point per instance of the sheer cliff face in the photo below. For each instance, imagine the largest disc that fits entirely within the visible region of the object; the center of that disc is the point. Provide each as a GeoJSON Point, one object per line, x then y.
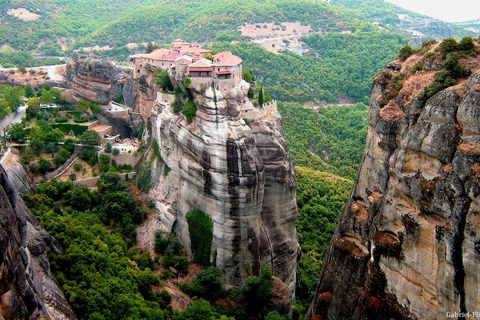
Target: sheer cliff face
{"type": "Point", "coordinates": [27, 287]}
{"type": "Point", "coordinates": [407, 245]}
{"type": "Point", "coordinates": [242, 177]}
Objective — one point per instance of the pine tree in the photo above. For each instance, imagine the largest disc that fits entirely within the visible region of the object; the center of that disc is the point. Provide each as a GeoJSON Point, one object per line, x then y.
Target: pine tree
{"type": "Point", "coordinates": [149, 48]}
{"type": "Point", "coordinates": [260, 96]}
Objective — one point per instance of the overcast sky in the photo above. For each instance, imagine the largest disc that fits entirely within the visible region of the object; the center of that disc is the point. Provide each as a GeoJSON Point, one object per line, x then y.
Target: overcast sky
{"type": "Point", "coordinates": [447, 10]}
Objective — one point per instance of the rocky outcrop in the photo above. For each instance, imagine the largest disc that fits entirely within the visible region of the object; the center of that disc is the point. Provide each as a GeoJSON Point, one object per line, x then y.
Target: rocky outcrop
{"type": "Point", "coordinates": [97, 80]}
{"type": "Point", "coordinates": [241, 177]}
{"type": "Point", "coordinates": [28, 289]}
{"type": "Point", "coordinates": [406, 246]}
{"type": "Point", "coordinates": [18, 174]}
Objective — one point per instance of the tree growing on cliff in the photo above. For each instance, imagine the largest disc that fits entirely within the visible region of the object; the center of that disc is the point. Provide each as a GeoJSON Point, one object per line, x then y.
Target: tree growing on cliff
{"type": "Point", "coordinates": [200, 227]}
{"type": "Point", "coordinates": [260, 96]}
{"type": "Point", "coordinates": [163, 80]}
{"type": "Point", "coordinates": [256, 291]}
{"type": "Point", "coordinates": [190, 111]}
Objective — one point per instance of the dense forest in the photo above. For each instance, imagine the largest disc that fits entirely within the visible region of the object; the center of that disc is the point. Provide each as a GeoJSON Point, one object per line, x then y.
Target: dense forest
{"type": "Point", "coordinates": [330, 138]}
{"type": "Point", "coordinates": [338, 65]}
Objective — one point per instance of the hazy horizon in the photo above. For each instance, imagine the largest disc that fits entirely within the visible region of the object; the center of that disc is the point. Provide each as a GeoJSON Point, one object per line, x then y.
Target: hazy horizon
{"type": "Point", "coordinates": [461, 10]}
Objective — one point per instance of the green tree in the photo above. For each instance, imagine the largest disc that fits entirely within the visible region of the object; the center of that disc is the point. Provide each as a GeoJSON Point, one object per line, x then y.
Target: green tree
{"type": "Point", "coordinates": [248, 76]}
{"type": "Point", "coordinates": [163, 80]}
{"type": "Point", "coordinates": [37, 145]}
{"type": "Point", "coordinates": [200, 227]}
{"type": "Point", "coordinates": [46, 97]}
{"type": "Point", "coordinates": [51, 147]}
{"type": "Point", "coordinates": [108, 147]}
{"type": "Point", "coordinates": [274, 315]}
{"type": "Point", "coordinates": [189, 110]}
{"type": "Point", "coordinates": [17, 132]}
{"type": "Point", "coordinates": [61, 157]}
{"type": "Point", "coordinates": [90, 138]}
{"type": "Point", "coordinates": [453, 65]}
{"type": "Point", "coordinates": [207, 285]}
{"type": "Point", "coordinates": [12, 98]}
{"type": "Point", "coordinates": [257, 290]}
{"type": "Point", "coordinates": [260, 96]}
{"type": "Point", "coordinates": [69, 144]}
{"type": "Point", "coordinates": [29, 91]}
{"type": "Point", "coordinates": [200, 310]}
{"type": "Point", "coordinates": [44, 165]}
{"type": "Point", "coordinates": [466, 44]}
{"type": "Point", "coordinates": [448, 45]}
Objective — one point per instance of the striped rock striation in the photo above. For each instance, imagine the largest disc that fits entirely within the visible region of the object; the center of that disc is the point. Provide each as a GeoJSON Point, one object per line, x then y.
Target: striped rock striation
{"type": "Point", "coordinates": [407, 244]}
{"type": "Point", "coordinates": [240, 175]}
{"type": "Point", "coordinates": [28, 289]}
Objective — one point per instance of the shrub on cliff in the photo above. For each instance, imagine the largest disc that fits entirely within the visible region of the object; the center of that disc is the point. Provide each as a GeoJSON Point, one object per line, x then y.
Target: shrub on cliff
{"type": "Point", "coordinates": [163, 80]}
{"type": "Point", "coordinates": [201, 231]}
{"type": "Point", "coordinates": [405, 52]}
{"type": "Point", "coordinates": [190, 111]}
{"type": "Point", "coordinates": [448, 45]}
{"type": "Point", "coordinates": [443, 79]}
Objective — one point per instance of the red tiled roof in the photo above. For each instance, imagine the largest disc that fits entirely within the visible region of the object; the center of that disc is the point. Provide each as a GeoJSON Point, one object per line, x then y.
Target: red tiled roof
{"type": "Point", "coordinates": [202, 63]}
{"type": "Point", "coordinates": [199, 69]}
{"type": "Point", "coordinates": [226, 59]}
{"type": "Point", "coordinates": [223, 72]}
{"type": "Point", "coordinates": [196, 49]}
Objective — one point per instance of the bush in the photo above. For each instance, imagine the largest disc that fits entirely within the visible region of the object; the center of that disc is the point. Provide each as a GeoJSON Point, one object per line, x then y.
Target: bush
{"type": "Point", "coordinates": [108, 147]}
{"type": "Point", "coordinates": [115, 151]}
{"type": "Point", "coordinates": [160, 243]}
{"type": "Point", "coordinates": [44, 165]}
{"type": "Point", "coordinates": [201, 231]}
{"type": "Point", "coordinates": [443, 79]}
{"type": "Point", "coordinates": [256, 291]}
{"type": "Point", "coordinates": [448, 45]}
{"type": "Point", "coordinates": [452, 65]}
{"type": "Point", "coordinates": [189, 110]}
{"type": "Point", "coordinates": [59, 119]}
{"type": "Point", "coordinates": [61, 157]}
{"type": "Point", "coordinates": [466, 44]}
{"type": "Point", "coordinates": [405, 52]}
{"type": "Point", "coordinates": [81, 119]}
{"type": "Point", "coordinates": [178, 262]}
{"type": "Point", "coordinates": [77, 167]}
{"type": "Point", "coordinates": [207, 285]}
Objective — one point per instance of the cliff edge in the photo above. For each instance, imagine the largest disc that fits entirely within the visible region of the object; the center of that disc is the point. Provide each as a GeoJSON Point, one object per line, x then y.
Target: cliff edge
{"type": "Point", "coordinates": [28, 289]}
{"type": "Point", "coordinates": [239, 175]}
{"type": "Point", "coordinates": [407, 244]}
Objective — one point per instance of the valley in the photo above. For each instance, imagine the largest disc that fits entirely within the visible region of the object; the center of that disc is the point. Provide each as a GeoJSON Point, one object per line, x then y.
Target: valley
{"type": "Point", "coordinates": [213, 160]}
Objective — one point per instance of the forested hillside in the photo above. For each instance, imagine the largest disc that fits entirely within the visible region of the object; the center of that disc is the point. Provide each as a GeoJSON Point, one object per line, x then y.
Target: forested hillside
{"type": "Point", "coordinates": [338, 65]}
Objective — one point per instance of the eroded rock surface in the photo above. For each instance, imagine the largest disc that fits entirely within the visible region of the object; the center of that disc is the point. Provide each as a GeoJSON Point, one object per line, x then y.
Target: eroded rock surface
{"type": "Point", "coordinates": [406, 246]}
{"type": "Point", "coordinates": [241, 176]}
{"type": "Point", "coordinates": [93, 79]}
{"type": "Point", "coordinates": [28, 289]}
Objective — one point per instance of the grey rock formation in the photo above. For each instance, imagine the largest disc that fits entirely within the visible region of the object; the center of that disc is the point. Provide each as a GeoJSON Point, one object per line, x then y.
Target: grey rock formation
{"type": "Point", "coordinates": [18, 175]}
{"type": "Point", "coordinates": [407, 244]}
{"type": "Point", "coordinates": [96, 80]}
{"type": "Point", "coordinates": [241, 177]}
{"type": "Point", "coordinates": [28, 290]}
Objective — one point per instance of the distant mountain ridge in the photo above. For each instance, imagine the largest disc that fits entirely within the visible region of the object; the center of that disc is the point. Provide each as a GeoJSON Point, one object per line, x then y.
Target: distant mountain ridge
{"type": "Point", "coordinates": [28, 25]}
